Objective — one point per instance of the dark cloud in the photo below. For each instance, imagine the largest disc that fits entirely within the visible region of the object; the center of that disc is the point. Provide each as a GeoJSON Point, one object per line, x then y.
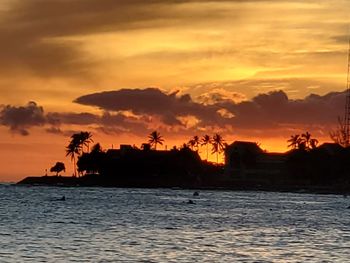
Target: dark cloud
{"type": "Point", "coordinates": [139, 111]}
{"type": "Point", "coordinates": [152, 101]}
{"type": "Point", "coordinates": [107, 122]}
{"type": "Point", "coordinates": [275, 110]}
{"type": "Point", "coordinates": [20, 119]}
{"type": "Point", "coordinates": [72, 118]}
{"type": "Point", "coordinates": [266, 111]}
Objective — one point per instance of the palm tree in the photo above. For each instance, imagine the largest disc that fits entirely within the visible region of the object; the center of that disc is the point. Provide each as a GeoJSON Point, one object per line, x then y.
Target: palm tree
{"type": "Point", "coordinates": [194, 142]}
{"type": "Point", "coordinates": [305, 138]}
{"type": "Point", "coordinates": [76, 145]}
{"type": "Point", "coordinates": [155, 138]}
{"type": "Point", "coordinates": [85, 139]}
{"type": "Point", "coordinates": [206, 140]}
{"type": "Point", "coordinates": [218, 145]}
{"type": "Point", "coordinates": [303, 142]}
{"type": "Point", "coordinates": [313, 143]}
{"type": "Point", "coordinates": [73, 149]}
{"type": "Point", "coordinates": [294, 141]}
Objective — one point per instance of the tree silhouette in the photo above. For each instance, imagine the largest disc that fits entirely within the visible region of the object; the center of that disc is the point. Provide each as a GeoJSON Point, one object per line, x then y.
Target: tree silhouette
{"type": "Point", "coordinates": [309, 142]}
{"type": "Point", "coordinates": [339, 136]}
{"type": "Point", "coordinates": [206, 140]}
{"type": "Point", "coordinates": [57, 168]}
{"type": "Point", "coordinates": [85, 139]}
{"type": "Point", "coordinates": [313, 143]}
{"type": "Point", "coordinates": [73, 149]}
{"type": "Point", "coordinates": [76, 145]}
{"type": "Point", "coordinates": [97, 148]}
{"type": "Point", "coordinates": [303, 142]}
{"type": "Point", "coordinates": [217, 145]}
{"type": "Point", "coordinates": [91, 162]}
{"type": "Point", "coordinates": [305, 138]}
{"type": "Point", "coordinates": [294, 141]}
{"type": "Point", "coordinates": [155, 138]}
{"type": "Point", "coordinates": [194, 142]}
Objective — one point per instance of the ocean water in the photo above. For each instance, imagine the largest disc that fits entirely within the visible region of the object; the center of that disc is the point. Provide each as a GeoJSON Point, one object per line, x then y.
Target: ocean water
{"type": "Point", "coordinates": [158, 225]}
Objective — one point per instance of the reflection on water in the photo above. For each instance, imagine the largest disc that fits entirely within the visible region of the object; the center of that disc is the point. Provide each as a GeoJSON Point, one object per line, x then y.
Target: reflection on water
{"type": "Point", "coordinates": [157, 225]}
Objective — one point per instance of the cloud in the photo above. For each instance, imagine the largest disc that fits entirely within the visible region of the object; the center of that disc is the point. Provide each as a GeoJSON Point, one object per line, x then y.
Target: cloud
{"type": "Point", "coordinates": [20, 119]}
{"type": "Point", "coordinates": [152, 102]}
{"type": "Point", "coordinates": [83, 118]}
{"type": "Point", "coordinates": [295, 87]}
{"type": "Point", "coordinates": [37, 35]}
{"type": "Point", "coordinates": [138, 111]}
{"type": "Point", "coordinates": [217, 95]}
{"type": "Point", "coordinates": [110, 123]}
{"type": "Point", "coordinates": [265, 112]}
{"type": "Point", "coordinates": [275, 111]}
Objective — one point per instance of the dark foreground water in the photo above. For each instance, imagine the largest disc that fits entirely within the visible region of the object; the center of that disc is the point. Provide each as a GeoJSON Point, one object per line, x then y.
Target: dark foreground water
{"type": "Point", "coordinates": [149, 225]}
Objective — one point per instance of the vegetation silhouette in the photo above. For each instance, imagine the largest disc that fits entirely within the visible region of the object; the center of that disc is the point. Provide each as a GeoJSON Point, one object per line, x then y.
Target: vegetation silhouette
{"type": "Point", "coordinates": [155, 138]}
{"type": "Point", "coordinates": [339, 135]}
{"type": "Point", "coordinates": [302, 142]}
{"type": "Point", "coordinates": [75, 146]}
{"type": "Point", "coordinates": [194, 143]}
{"type": "Point", "coordinates": [57, 168]}
{"type": "Point", "coordinates": [72, 150]}
{"type": "Point", "coordinates": [294, 141]}
{"type": "Point", "coordinates": [85, 140]}
{"type": "Point", "coordinates": [91, 162]}
{"type": "Point", "coordinates": [218, 145]}
{"type": "Point", "coordinates": [247, 167]}
{"type": "Point", "coordinates": [206, 141]}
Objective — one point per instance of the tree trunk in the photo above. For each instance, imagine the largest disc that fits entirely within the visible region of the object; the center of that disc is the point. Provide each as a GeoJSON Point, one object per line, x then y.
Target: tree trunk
{"type": "Point", "coordinates": [207, 152]}
{"type": "Point", "coordinates": [74, 167]}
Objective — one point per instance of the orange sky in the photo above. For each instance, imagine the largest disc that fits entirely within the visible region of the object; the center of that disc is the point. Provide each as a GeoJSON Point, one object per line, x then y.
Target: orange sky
{"type": "Point", "coordinates": [245, 69]}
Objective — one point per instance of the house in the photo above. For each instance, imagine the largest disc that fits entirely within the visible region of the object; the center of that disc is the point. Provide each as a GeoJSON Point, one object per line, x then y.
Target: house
{"type": "Point", "coordinates": [247, 161]}
{"type": "Point", "coordinates": [330, 148]}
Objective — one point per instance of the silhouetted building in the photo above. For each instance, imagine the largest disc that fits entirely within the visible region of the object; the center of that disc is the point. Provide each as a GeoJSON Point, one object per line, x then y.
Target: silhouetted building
{"type": "Point", "coordinates": [330, 148]}
{"type": "Point", "coordinates": [247, 161]}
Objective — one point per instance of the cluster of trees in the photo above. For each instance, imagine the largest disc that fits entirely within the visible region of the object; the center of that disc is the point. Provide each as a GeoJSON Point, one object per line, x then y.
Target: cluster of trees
{"type": "Point", "coordinates": [217, 142]}
{"type": "Point", "coordinates": [78, 149]}
{"type": "Point", "coordinates": [302, 142]}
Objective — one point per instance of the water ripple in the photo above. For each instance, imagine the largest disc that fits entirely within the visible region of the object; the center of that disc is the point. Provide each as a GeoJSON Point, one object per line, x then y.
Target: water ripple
{"type": "Point", "coordinates": [157, 225]}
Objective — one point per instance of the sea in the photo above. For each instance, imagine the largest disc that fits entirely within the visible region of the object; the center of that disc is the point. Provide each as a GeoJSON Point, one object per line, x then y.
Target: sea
{"type": "Point", "coordinates": [163, 225]}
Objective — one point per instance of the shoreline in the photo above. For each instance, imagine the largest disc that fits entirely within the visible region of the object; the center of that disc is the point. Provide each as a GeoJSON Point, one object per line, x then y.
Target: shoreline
{"type": "Point", "coordinates": [65, 181]}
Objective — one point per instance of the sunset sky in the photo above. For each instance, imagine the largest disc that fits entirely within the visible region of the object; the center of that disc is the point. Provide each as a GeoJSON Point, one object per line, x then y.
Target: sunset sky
{"type": "Point", "coordinates": [249, 70]}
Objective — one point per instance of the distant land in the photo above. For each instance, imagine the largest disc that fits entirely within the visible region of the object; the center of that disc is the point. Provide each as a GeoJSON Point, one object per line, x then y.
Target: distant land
{"type": "Point", "coordinates": [305, 168]}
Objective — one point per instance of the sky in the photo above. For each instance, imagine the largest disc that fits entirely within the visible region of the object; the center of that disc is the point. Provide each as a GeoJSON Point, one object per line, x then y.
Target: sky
{"type": "Point", "coordinates": [258, 70]}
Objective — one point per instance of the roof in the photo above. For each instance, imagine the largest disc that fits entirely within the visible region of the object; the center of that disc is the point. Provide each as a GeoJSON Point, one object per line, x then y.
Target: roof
{"type": "Point", "coordinates": [245, 146]}
{"type": "Point", "coordinates": [330, 148]}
